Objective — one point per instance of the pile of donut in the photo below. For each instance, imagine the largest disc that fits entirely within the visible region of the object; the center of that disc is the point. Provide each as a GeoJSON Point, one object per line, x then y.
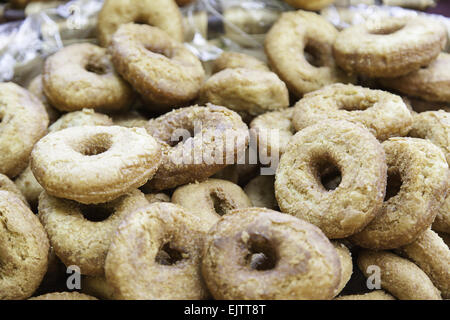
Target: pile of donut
{"type": "Point", "coordinates": [91, 179]}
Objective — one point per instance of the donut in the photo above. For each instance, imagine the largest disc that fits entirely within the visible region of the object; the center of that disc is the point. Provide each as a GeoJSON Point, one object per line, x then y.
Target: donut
{"type": "Point", "coordinates": [273, 131]}
{"type": "Point", "coordinates": [24, 249]}
{"type": "Point", "coordinates": [389, 47]}
{"type": "Point", "coordinates": [28, 186]}
{"type": "Point", "coordinates": [384, 114]}
{"type": "Point", "coordinates": [130, 120]}
{"type": "Point", "coordinates": [7, 185]}
{"type": "Point", "coordinates": [36, 87]}
{"type": "Point", "coordinates": [162, 70]}
{"type": "Point", "coordinates": [299, 49]}
{"type": "Point", "coordinates": [157, 197]}
{"type": "Point", "coordinates": [324, 151]}
{"type": "Point", "coordinates": [97, 287]}
{"type": "Point", "coordinates": [84, 117]}
{"type": "Point", "coordinates": [166, 265]}
{"type": "Point", "coordinates": [211, 198]}
{"type": "Point", "coordinates": [82, 76]}
{"type": "Point", "coordinates": [23, 122]}
{"type": "Point", "coordinates": [235, 60]}
{"type": "Point", "coordinates": [94, 164]}
{"type": "Point", "coordinates": [64, 296]}
{"type": "Point", "coordinates": [430, 83]}
{"type": "Point", "coordinates": [81, 234]}
{"type": "Point", "coordinates": [309, 4]}
{"type": "Point", "coordinates": [402, 278]}
{"type": "Point", "coordinates": [432, 255]}
{"type": "Point", "coordinates": [416, 188]}
{"type": "Point", "coordinates": [435, 127]}
{"type": "Point", "coordinates": [200, 155]}
{"type": "Point", "coordinates": [345, 258]}
{"type": "Point", "coordinates": [270, 255]}
{"type": "Point", "coordinates": [374, 295]}
{"type": "Point", "coordinates": [250, 92]}
{"type": "Point", "coordinates": [163, 14]}
{"type": "Point", "coordinates": [261, 192]}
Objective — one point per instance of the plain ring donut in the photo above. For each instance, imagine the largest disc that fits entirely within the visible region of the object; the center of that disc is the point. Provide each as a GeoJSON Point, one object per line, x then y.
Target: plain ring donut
{"type": "Point", "coordinates": [94, 164]}
{"type": "Point", "coordinates": [389, 47]}
{"type": "Point", "coordinates": [258, 253]}
{"type": "Point", "coordinates": [90, 224]}
{"type": "Point", "coordinates": [197, 157]}
{"type": "Point", "coordinates": [162, 70]}
{"type": "Point", "coordinates": [82, 76]}
{"type": "Point", "coordinates": [320, 153]}
{"type": "Point", "coordinates": [23, 122]}
{"type": "Point", "coordinates": [163, 14]}
{"type": "Point", "coordinates": [24, 249]}
{"type": "Point", "coordinates": [418, 177]}
{"type": "Point", "coordinates": [384, 114]}
{"type": "Point", "coordinates": [291, 38]}
{"type": "Point", "coordinates": [170, 255]}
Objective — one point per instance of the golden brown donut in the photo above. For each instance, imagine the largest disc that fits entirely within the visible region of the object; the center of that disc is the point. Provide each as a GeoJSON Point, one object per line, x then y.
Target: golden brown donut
{"type": "Point", "coordinates": [23, 122]}
{"type": "Point", "coordinates": [84, 117]}
{"type": "Point", "coordinates": [258, 253]}
{"type": "Point", "coordinates": [291, 39]}
{"type": "Point", "coordinates": [389, 47]}
{"type": "Point", "coordinates": [309, 4]}
{"type": "Point", "coordinates": [416, 188]}
{"type": "Point", "coordinates": [163, 14]}
{"type": "Point", "coordinates": [24, 249]}
{"type": "Point", "coordinates": [162, 70]}
{"type": "Point", "coordinates": [36, 87]}
{"type": "Point", "coordinates": [94, 164]}
{"type": "Point", "coordinates": [130, 119]}
{"type": "Point", "coordinates": [156, 254]}
{"type": "Point", "coordinates": [200, 155]}
{"type": "Point", "coordinates": [250, 92]}
{"type": "Point", "coordinates": [261, 192]}
{"type": "Point", "coordinates": [82, 76]}
{"type": "Point", "coordinates": [345, 257]}
{"type": "Point", "coordinates": [28, 186]}
{"type": "Point", "coordinates": [273, 131]}
{"type": "Point", "coordinates": [324, 151]}
{"type": "Point", "coordinates": [81, 234]}
{"type": "Point", "coordinates": [211, 198]}
{"type": "Point", "coordinates": [400, 277]}
{"type": "Point", "coordinates": [435, 127]}
{"type": "Point", "coordinates": [374, 295]}
{"type": "Point", "coordinates": [234, 60]}
{"type": "Point", "coordinates": [432, 255]}
{"type": "Point", "coordinates": [431, 83]}
{"type": "Point", "coordinates": [64, 296]}
{"type": "Point", "coordinates": [7, 185]}
{"type": "Point", "coordinates": [384, 114]}
{"type": "Point", "coordinates": [97, 287]}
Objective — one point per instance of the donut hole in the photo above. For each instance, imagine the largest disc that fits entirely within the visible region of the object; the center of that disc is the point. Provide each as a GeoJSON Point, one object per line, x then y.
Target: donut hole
{"type": "Point", "coordinates": [96, 213]}
{"type": "Point", "coordinates": [313, 55]}
{"type": "Point", "coordinates": [97, 65]}
{"type": "Point", "coordinates": [394, 184]}
{"type": "Point", "coordinates": [95, 145]}
{"type": "Point", "coordinates": [185, 134]}
{"type": "Point", "coordinates": [385, 29]}
{"type": "Point", "coordinates": [328, 173]}
{"type": "Point", "coordinates": [168, 256]}
{"type": "Point", "coordinates": [220, 203]}
{"type": "Point", "coordinates": [261, 255]}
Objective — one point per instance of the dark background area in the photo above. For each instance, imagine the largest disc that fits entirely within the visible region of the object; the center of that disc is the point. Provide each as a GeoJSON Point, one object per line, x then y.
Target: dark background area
{"type": "Point", "coordinates": [443, 8]}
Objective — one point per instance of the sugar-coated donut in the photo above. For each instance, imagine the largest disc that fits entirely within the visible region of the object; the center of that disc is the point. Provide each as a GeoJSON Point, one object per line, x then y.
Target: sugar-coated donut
{"type": "Point", "coordinates": [202, 153]}
{"type": "Point", "coordinates": [85, 117]}
{"type": "Point", "coordinates": [82, 76]}
{"type": "Point", "coordinates": [234, 60]}
{"type": "Point", "coordinates": [81, 234]}
{"type": "Point", "coordinates": [261, 192]}
{"type": "Point", "coordinates": [94, 164]}
{"type": "Point", "coordinates": [7, 185]}
{"type": "Point", "coordinates": [23, 122]}
{"type": "Point", "coordinates": [24, 249]}
{"type": "Point", "coordinates": [97, 287]}
{"type": "Point", "coordinates": [258, 253]}
{"type": "Point", "coordinates": [36, 87]}
{"type": "Point", "coordinates": [345, 257]}
{"type": "Point", "coordinates": [399, 276]}
{"type": "Point", "coordinates": [321, 152]}
{"type": "Point", "coordinates": [162, 70]}
{"type": "Point", "coordinates": [389, 47]}
{"type": "Point", "coordinates": [163, 14]}
{"type": "Point", "coordinates": [156, 254]}
{"type": "Point", "coordinates": [416, 188]}
{"type": "Point", "coordinates": [296, 35]}
{"type": "Point", "coordinates": [384, 114]}
{"type": "Point", "coordinates": [157, 197]}
{"type": "Point", "coordinates": [64, 296]}
{"type": "Point", "coordinates": [211, 198]}
{"type": "Point", "coordinates": [374, 295]}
